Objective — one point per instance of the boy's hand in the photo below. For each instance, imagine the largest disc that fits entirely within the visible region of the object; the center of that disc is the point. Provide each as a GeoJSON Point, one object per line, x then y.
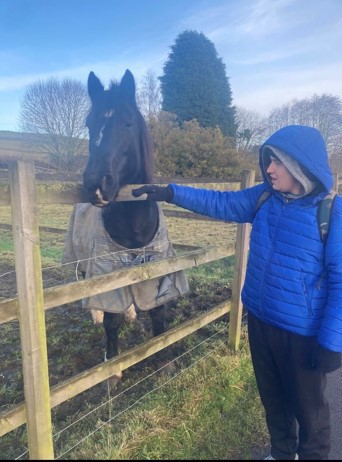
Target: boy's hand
{"type": "Point", "coordinates": [155, 193]}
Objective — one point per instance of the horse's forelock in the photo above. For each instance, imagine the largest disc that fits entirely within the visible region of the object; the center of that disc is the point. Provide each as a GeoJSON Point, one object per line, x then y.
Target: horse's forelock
{"type": "Point", "coordinates": [113, 85]}
{"type": "Point", "coordinates": [112, 95]}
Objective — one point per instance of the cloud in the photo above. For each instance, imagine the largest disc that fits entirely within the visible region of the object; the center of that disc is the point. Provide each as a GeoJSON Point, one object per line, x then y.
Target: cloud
{"type": "Point", "coordinates": [266, 17]}
{"type": "Point", "coordinates": [265, 90]}
{"type": "Point", "coordinates": [274, 50]}
{"type": "Point", "coordinates": [235, 20]}
{"type": "Point", "coordinates": [106, 70]}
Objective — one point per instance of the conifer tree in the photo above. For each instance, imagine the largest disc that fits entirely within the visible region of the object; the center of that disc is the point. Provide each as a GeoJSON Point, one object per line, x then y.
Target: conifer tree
{"type": "Point", "coordinates": [194, 84]}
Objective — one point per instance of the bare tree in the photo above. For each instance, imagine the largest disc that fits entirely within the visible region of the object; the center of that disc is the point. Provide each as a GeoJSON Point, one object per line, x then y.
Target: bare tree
{"type": "Point", "coordinates": [148, 96]}
{"type": "Point", "coordinates": [323, 112]}
{"type": "Point", "coordinates": [251, 127]}
{"type": "Point", "coordinates": [279, 117]}
{"type": "Point", "coordinates": [56, 110]}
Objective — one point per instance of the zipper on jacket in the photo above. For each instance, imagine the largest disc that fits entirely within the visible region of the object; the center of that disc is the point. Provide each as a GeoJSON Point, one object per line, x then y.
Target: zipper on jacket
{"type": "Point", "coordinates": [307, 298]}
{"type": "Point", "coordinates": [321, 279]}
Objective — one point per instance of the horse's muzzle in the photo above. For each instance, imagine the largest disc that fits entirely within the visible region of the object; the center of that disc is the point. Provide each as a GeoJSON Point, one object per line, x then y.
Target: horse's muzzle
{"type": "Point", "coordinates": [100, 193]}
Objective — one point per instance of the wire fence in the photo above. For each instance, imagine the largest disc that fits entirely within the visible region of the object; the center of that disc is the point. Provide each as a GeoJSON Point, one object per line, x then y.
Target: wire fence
{"type": "Point", "coordinates": [107, 406]}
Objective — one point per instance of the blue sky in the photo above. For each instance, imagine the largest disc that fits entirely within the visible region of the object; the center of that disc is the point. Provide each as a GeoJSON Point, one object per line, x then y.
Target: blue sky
{"type": "Point", "coordinates": [274, 50]}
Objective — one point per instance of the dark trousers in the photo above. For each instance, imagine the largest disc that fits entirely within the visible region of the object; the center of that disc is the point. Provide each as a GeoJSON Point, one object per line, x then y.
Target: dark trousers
{"type": "Point", "coordinates": [291, 391]}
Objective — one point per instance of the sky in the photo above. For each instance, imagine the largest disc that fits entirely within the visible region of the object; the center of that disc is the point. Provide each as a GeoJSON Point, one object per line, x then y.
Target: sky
{"type": "Point", "coordinates": [274, 50]}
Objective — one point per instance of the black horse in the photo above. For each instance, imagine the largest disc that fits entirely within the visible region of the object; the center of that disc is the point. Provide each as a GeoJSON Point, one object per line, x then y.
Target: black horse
{"type": "Point", "coordinates": [119, 154]}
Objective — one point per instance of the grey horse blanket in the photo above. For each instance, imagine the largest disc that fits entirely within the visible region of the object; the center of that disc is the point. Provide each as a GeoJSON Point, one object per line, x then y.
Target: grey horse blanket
{"type": "Point", "coordinates": [89, 247]}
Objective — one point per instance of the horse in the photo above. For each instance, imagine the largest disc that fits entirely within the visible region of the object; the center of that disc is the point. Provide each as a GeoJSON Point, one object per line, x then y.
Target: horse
{"type": "Point", "coordinates": [120, 153]}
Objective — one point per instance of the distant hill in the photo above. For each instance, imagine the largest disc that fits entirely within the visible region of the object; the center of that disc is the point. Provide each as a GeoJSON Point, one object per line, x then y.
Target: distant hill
{"type": "Point", "coordinates": [18, 141]}
{"type": "Point", "coordinates": [26, 141]}
{"type": "Point", "coordinates": [31, 143]}
{"type": "Point", "coordinates": [20, 136]}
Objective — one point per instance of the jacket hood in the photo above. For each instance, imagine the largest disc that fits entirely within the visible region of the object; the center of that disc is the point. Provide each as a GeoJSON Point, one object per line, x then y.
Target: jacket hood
{"type": "Point", "coordinates": [306, 145]}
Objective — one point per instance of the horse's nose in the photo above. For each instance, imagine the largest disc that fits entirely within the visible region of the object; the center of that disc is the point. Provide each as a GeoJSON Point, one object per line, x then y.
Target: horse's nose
{"type": "Point", "coordinates": [90, 181]}
{"type": "Point", "coordinates": [90, 185]}
{"type": "Point", "coordinates": [107, 182]}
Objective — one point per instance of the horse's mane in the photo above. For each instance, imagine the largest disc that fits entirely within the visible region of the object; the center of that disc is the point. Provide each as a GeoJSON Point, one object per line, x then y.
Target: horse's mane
{"type": "Point", "coordinates": [146, 148]}
{"type": "Point", "coordinates": [145, 142]}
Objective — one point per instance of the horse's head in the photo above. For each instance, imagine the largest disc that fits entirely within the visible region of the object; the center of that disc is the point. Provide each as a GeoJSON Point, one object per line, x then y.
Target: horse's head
{"type": "Point", "coordinates": [118, 141]}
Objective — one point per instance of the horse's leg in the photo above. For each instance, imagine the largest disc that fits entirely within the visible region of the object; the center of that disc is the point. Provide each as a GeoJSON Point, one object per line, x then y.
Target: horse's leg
{"type": "Point", "coordinates": [111, 324]}
{"type": "Point", "coordinates": [157, 318]}
{"type": "Point", "coordinates": [158, 327]}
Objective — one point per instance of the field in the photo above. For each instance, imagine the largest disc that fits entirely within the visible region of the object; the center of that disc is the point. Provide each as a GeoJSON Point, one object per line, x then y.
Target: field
{"type": "Point", "coordinates": [194, 400]}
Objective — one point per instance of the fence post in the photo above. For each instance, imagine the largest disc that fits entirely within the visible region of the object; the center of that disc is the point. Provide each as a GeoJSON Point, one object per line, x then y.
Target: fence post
{"type": "Point", "coordinates": [31, 309]}
{"type": "Point", "coordinates": [241, 253]}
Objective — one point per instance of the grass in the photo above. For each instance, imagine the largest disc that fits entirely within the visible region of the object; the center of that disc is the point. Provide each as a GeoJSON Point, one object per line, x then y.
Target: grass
{"type": "Point", "coordinates": [210, 411]}
{"type": "Point", "coordinates": [54, 216]}
{"type": "Point", "coordinates": [6, 243]}
{"type": "Point", "coordinates": [205, 406]}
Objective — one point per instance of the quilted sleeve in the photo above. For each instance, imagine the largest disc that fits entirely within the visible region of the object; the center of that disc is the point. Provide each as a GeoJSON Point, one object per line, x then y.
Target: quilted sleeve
{"type": "Point", "coordinates": [238, 206]}
{"type": "Point", "coordinates": [330, 335]}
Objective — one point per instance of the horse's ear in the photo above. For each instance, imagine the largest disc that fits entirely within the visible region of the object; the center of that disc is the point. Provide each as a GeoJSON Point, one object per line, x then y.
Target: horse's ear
{"type": "Point", "coordinates": [127, 86]}
{"type": "Point", "coordinates": [95, 87]}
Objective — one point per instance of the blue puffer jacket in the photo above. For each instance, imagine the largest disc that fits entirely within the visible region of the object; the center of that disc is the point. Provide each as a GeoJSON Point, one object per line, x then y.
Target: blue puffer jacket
{"type": "Point", "coordinates": [291, 282]}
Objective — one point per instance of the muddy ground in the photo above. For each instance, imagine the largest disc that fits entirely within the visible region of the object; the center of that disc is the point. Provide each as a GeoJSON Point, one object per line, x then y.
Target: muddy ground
{"type": "Point", "coordinates": [75, 344]}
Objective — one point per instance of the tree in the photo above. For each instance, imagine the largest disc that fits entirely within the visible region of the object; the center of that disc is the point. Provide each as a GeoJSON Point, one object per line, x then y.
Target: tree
{"type": "Point", "coordinates": [193, 151]}
{"type": "Point", "coordinates": [148, 97]}
{"type": "Point", "coordinates": [162, 132]}
{"type": "Point", "coordinates": [57, 111]}
{"type": "Point", "coordinates": [194, 84]}
{"type": "Point", "coordinates": [323, 112]}
{"type": "Point", "coordinates": [250, 129]}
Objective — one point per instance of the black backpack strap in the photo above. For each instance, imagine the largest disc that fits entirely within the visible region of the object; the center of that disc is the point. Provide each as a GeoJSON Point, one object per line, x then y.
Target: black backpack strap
{"type": "Point", "coordinates": [324, 214]}
{"type": "Point", "coordinates": [263, 198]}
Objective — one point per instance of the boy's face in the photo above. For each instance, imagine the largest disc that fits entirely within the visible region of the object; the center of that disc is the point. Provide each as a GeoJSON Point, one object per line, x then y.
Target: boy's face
{"type": "Point", "coordinates": [282, 180]}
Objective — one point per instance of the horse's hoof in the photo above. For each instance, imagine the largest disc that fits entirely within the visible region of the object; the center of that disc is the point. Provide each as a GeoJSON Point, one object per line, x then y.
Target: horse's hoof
{"type": "Point", "coordinates": [113, 380]}
{"type": "Point", "coordinates": [131, 314]}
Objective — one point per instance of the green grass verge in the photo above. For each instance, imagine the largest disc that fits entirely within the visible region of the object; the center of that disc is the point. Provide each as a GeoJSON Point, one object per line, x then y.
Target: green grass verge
{"type": "Point", "coordinates": [210, 411]}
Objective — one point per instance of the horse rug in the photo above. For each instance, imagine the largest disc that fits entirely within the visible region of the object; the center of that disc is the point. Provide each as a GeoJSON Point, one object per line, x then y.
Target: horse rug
{"type": "Point", "coordinates": [91, 250]}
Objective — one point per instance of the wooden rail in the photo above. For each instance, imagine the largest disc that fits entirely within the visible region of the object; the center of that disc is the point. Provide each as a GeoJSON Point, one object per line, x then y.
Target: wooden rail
{"type": "Point", "coordinates": [69, 193]}
{"type": "Point", "coordinates": [22, 152]}
{"type": "Point", "coordinates": [67, 293]}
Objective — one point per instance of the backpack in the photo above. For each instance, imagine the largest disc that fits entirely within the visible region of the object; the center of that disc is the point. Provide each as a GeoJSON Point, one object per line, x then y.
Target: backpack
{"type": "Point", "coordinates": [323, 212]}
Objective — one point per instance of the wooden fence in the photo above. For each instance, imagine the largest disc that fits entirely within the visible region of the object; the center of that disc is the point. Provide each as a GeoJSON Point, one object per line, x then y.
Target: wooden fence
{"type": "Point", "coordinates": [32, 301]}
